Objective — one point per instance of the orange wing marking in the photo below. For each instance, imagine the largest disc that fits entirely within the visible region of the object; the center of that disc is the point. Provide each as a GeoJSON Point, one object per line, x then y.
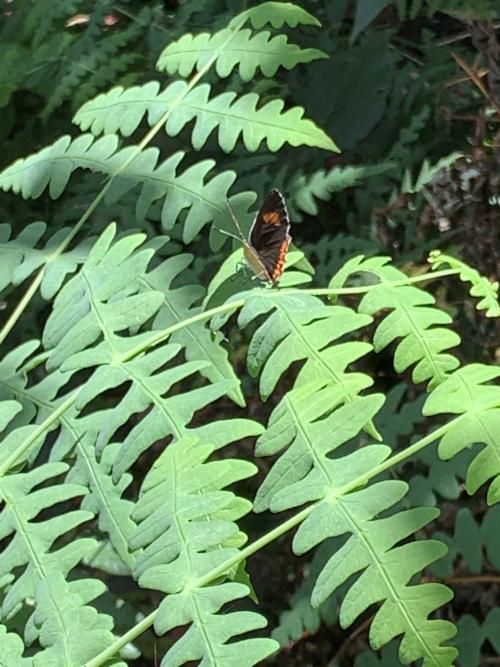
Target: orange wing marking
{"type": "Point", "coordinates": [278, 269]}
{"type": "Point", "coordinates": [272, 218]}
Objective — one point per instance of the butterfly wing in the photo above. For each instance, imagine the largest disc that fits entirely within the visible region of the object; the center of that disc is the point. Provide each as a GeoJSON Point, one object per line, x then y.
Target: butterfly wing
{"type": "Point", "coordinates": [270, 235]}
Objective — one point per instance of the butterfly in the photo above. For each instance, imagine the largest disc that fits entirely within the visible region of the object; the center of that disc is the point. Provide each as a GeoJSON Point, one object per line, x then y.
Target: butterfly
{"type": "Point", "coordinates": [269, 238]}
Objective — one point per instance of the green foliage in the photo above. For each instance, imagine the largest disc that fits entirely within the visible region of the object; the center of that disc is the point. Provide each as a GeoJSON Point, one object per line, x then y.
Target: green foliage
{"type": "Point", "coordinates": [229, 48]}
{"type": "Point", "coordinates": [481, 287]}
{"type": "Point", "coordinates": [122, 110]}
{"type": "Point", "coordinates": [477, 404]}
{"type": "Point", "coordinates": [411, 318]}
{"type": "Point", "coordinates": [130, 396]}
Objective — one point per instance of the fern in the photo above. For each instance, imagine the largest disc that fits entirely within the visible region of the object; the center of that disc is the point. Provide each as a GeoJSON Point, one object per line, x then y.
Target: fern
{"type": "Point", "coordinates": [32, 545]}
{"type": "Point", "coordinates": [472, 635]}
{"type": "Point", "coordinates": [186, 528]}
{"type": "Point", "coordinates": [412, 318]}
{"type": "Point", "coordinates": [338, 509]}
{"type": "Point", "coordinates": [199, 343]}
{"type": "Point", "coordinates": [427, 173]}
{"type": "Point", "coordinates": [466, 394]}
{"type": "Point", "coordinates": [322, 184]}
{"type": "Point", "coordinates": [115, 436]}
{"type": "Point", "coordinates": [468, 541]}
{"type": "Point", "coordinates": [122, 110]}
{"type": "Point", "coordinates": [69, 628]}
{"type": "Point", "coordinates": [19, 257]}
{"type": "Point", "coordinates": [302, 617]}
{"type": "Point", "coordinates": [481, 287]}
{"type": "Point", "coordinates": [229, 49]}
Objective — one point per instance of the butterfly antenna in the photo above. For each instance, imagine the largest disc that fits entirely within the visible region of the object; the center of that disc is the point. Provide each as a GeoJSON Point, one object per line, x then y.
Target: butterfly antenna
{"type": "Point", "coordinates": [235, 220]}
{"type": "Point", "coordinates": [223, 231]}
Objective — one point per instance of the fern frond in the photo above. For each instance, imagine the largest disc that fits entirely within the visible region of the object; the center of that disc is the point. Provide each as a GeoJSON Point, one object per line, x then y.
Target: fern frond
{"type": "Point", "coordinates": [13, 649]}
{"type": "Point", "coordinates": [472, 635]}
{"type": "Point", "coordinates": [302, 327]}
{"type": "Point", "coordinates": [465, 393]}
{"type": "Point", "coordinates": [70, 629]}
{"type": "Point", "coordinates": [198, 342]}
{"type": "Point", "coordinates": [481, 287]}
{"type": "Point", "coordinates": [96, 59]}
{"type": "Point", "coordinates": [338, 508]}
{"type": "Point", "coordinates": [302, 617]}
{"type": "Point", "coordinates": [466, 542]}
{"type": "Point", "coordinates": [186, 530]}
{"type": "Point", "coordinates": [84, 309]}
{"type": "Point", "coordinates": [105, 498]}
{"type": "Point", "coordinates": [322, 184]}
{"type": "Point", "coordinates": [413, 317]}
{"type": "Point", "coordinates": [53, 166]}
{"type": "Point", "coordinates": [122, 110]}
{"type": "Point", "coordinates": [76, 436]}
{"type": "Point", "coordinates": [19, 257]}
{"type": "Point", "coordinates": [440, 479]}
{"type": "Point", "coordinates": [32, 545]}
{"type": "Point", "coordinates": [277, 14]}
{"type": "Point", "coordinates": [229, 49]}
{"type": "Point", "coordinates": [427, 173]}
{"type": "Point", "coordinates": [82, 332]}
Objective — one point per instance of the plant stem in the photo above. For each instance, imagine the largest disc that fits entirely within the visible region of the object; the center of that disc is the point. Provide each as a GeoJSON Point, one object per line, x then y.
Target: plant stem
{"type": "Point", "coordinates": [273, 534]}
{"type": "Point", "coordinates": [165, 333]}
{"type": "Point", "coordinates": [98, 199]}
{"type": "Point", "coordinates": [39, 431]}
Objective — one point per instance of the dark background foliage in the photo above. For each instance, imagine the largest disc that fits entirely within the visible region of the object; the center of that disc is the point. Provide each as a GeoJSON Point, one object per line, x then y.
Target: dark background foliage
{"type": "Point", "coordinates": [407, 86]}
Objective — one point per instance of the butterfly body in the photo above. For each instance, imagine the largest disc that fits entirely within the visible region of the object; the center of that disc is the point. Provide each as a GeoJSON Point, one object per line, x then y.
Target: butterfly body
{"type": "Point", "coordinates": [269, 238]}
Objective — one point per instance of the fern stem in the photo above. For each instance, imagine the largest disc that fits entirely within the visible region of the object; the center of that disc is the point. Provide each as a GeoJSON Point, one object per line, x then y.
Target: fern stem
{"type": "Point", "coordinates": [327, 291]}
{"type": "Point", "coordinates": [33, 437]}
{"type": "Point", "coordinates": [407, 452]}
{"type": "Point", "coordinates": [165, 333]}
{"type": "Point", "coordinates": [122, 641]}
{"type": "Point", "coordinates": [280, 530]}
{"type": "Point", "coordinates": [100, 196]}
{"type": "Point", "coordinates": [19, 309]}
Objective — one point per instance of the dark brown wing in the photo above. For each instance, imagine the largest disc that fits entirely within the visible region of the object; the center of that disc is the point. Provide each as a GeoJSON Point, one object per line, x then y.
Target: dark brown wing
{"type": "Point", "coordinates": [270, 234]}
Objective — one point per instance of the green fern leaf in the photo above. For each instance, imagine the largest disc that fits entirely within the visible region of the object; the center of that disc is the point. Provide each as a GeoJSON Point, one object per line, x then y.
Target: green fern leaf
{"type": "Point", "coordinates": [300, 327]}
{"type": "Point", "coordinates": [12, 649]}
{"type": "Point", "coordinates": [19, 258]}
{"type": "Point", "coordinates": [212, 628]}
{"type": "Point", "coordinates": [70, 629]}
{"type": "Point", "coordinates": [466, 542]}
{"type": "Point", "coordinates": [302, 617]}
{"type": "Point", "coordinates": [412, 318]}
{"type": "Point", "coordinates": [427, 173]}
{"type": "Point", "coordinates": [8, 410]}
{"type": "Point", "coordinates": [322, 184]}
{"type": "Point", "coordinates": [277, 14]}
{"type": "Point", "coordinates": [386, 568]}
{"type": "Point", "coordinates": [199, 343]}
{"type": "Point", "coordinates": [76, 436]}
{"type": "Point", "coordinates": [228, 49]}
{"type": "Point", "coordinates": [186, 529]}
{"type": "Point", "coordinates": [472, 635]}
{"type": "Point", "coordinates": [122, 110]}
{"type": "Point", "coordinates": [478, 404]}
{"type": "Point", "coordinates": [22, 502]}
{"type": "Point", "coordinates": [84, 308]}
{"type": "Point", "coordinates": [104, 497]}
{"type": "Point", "coordinates": [53, 166]}
{"type": "Point", "coordinates": [481, 287]}
{"type": "Point", "coordinates": [300, 407]}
